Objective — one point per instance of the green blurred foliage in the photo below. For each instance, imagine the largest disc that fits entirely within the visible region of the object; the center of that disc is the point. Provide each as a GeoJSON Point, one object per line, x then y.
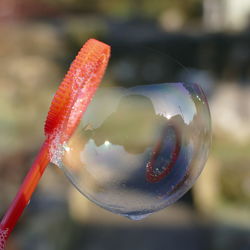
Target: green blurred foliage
{"type": "Point", "coordinates": [234, 179]}
{"type": "Point", "coordinates": [131, 8]}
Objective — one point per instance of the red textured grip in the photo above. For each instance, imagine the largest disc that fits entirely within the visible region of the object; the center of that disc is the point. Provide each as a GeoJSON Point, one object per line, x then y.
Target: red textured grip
{"type": "Point", "coordinates": [3, 238]}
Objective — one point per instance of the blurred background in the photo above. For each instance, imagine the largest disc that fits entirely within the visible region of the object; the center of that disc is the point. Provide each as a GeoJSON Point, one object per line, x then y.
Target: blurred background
{"type": "Point", "coordinates": [204, 41]}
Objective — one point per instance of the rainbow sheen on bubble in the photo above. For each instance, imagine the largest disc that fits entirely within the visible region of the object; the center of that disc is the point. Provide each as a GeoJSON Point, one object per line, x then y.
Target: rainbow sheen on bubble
{"type": "Point", "coordinates": [138, 150]}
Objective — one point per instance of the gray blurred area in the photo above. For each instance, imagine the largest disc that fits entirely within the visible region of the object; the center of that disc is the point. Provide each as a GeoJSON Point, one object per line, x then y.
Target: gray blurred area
{"type": "Point", "coordinates": [152, 41]}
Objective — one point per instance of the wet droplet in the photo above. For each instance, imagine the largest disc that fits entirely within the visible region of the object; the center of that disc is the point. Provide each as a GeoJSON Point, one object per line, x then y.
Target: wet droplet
{"type": "Point", "coordinates": [137, 217]}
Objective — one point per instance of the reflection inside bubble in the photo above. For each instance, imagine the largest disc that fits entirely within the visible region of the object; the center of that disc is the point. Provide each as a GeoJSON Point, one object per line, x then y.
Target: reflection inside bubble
{"type": "Point", "coordinates": [140, 149]}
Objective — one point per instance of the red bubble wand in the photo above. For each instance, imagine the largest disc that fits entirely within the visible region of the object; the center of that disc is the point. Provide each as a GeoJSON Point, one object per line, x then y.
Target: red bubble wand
{"type": "Point", "coordinates": [67, 107]}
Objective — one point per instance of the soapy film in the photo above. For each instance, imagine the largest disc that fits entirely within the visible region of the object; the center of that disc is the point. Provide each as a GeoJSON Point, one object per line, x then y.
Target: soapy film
{"type": "Point", "coordinates": [140, 149]}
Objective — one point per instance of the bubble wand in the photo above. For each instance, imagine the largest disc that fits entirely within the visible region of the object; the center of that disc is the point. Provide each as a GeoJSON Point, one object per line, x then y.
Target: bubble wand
{"type": "Point", "coordinates": [67, 107]}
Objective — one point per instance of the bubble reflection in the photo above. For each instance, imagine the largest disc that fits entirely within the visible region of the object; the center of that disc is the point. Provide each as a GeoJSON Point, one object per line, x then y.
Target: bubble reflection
{"type": "Point", "coordinates": [138, 150]}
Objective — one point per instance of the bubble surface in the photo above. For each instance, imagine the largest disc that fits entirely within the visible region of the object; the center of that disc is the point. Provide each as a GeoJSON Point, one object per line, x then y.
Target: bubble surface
{"type": "Point", "coordinates": [138, 150]}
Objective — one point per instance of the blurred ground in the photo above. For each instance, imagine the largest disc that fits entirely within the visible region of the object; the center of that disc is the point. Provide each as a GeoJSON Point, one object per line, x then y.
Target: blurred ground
{"type": "Point", "coordinates": [36, 48]}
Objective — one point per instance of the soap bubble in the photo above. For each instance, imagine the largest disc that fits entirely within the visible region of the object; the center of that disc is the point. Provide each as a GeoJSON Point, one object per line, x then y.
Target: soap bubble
{"type": "Point", "coordinates": [139, 149]}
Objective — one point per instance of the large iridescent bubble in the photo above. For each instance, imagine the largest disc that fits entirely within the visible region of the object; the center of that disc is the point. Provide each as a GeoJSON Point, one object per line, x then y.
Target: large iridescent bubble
{"type": "Point", "coordinates": [138, 150]}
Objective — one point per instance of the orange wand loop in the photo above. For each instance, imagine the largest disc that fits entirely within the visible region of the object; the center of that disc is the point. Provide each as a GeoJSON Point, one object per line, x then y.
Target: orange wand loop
{"type": "Point", "coordinates": [69, 103]}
